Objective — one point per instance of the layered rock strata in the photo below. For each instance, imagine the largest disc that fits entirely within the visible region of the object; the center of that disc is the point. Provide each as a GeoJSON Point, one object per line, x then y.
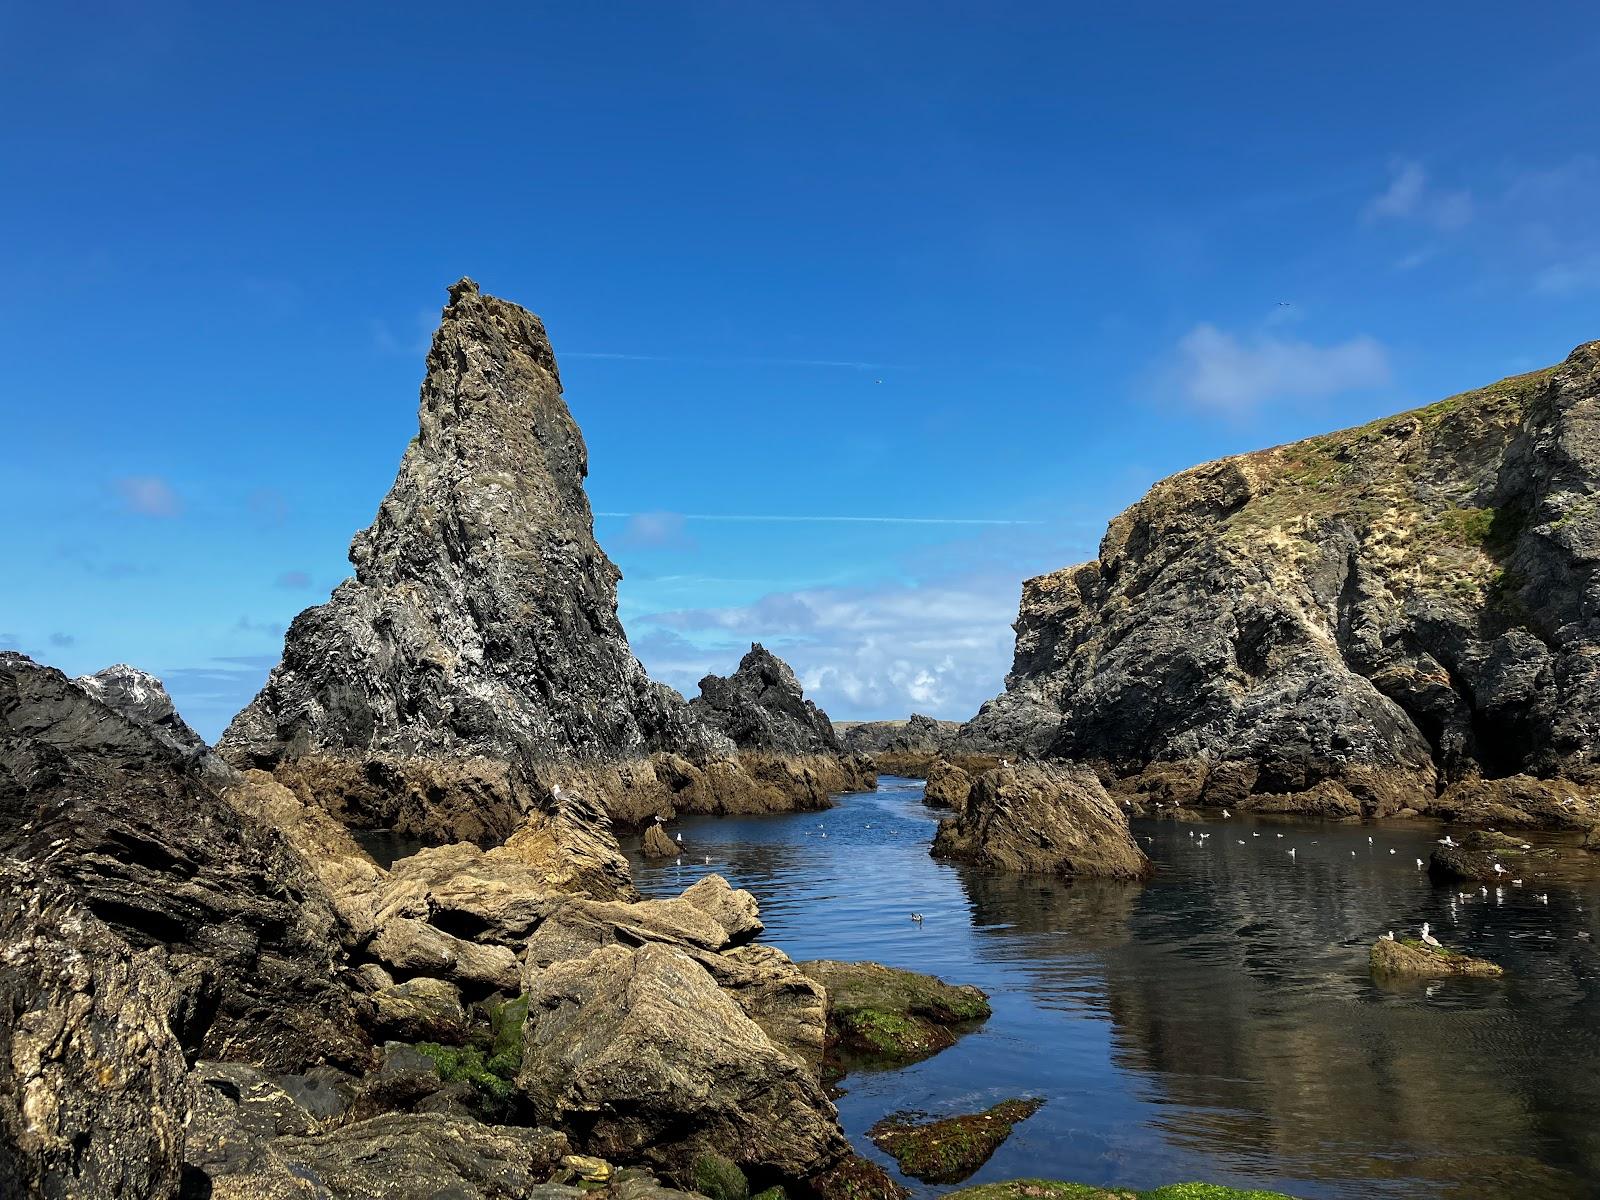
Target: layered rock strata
{"type": "Point", "coordinates": [898, 747]}
{"type": "Point", "coordinates": [1370, 618]}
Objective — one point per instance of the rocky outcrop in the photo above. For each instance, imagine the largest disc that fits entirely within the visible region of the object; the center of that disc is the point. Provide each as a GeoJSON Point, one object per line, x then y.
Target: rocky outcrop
{"type": "Point", "coordinates": [1483, 856]}
{"type": "Point", "coordinates": [1043, 819]}
{"type": "Point", "coordinates": [142, 836]}
{"type": "Point", "coordinates": [1389, 610]}
{"type": "Point", "coordinates": [898, 747]}
{"type": "Point", "coordinates": [142, 699]}
{"type": "Point", "coordinates": [654, 1035]}
{"type": "Point", "coordinates": [93, 1096]}
{"type": "Point", "coordinates": [783, 740]}
{"type": "Point", "coordinates": [1391, 957]}
{"type": "Point", "coordinates": [475, 663]}
{"type": "Point", "coordinates": [884, 1016]}
{"type": "Point", "coordinates": [953, 1149]}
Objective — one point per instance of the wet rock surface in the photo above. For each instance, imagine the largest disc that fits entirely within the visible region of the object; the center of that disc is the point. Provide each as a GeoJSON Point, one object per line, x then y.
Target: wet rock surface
{"type": "Point", "coordinates": [1042, 818]}
{"type": "Point", "coordinates": [952, 1149]}
{"type": "Point", "coordinates": [880, 1015]}
{"type": "Point", "coordinates": [1484, 856]}
{"type": "Point", "coordinates": [1409, 957]}
{"type": "Point", "coordinates": [1393, 608]}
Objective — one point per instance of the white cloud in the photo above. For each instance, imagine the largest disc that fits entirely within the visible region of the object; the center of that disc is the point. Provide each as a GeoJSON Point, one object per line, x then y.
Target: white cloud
{"type": "Point", "coordinates": [148, 495]}
{"type": "Point", "coordinates": [1222, 372]}
{"type": "Point", "coordinates": [1410, 196]}
{"type": "Point", "coordinates": [941, 647]}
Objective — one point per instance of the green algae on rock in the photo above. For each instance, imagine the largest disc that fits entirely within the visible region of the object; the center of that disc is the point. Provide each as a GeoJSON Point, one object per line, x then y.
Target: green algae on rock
{"type": "Point", "coordinates": [1410, 957]}
{"type": "Point", "coordinates": [881, 1015]}
{"type": "Point", "coordinates": [855, 1178]}
{"type": "Point", "coordinates": [950, 1150]}
{"type": "Point", "coordinates": [1051, 1189]}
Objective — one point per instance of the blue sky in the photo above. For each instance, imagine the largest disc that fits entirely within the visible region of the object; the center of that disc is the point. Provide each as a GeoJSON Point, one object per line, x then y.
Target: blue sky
{"type": "Point", "coordinates": [930, 262]}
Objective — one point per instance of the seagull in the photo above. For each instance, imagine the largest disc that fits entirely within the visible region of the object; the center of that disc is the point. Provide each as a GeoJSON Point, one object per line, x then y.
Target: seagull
{"type": "Point", "coordinates": [1255, 835]}
{"type": "Point", "coordinates": [556, 792]}
{"type": "Point", "coordinates": [1484, 892]}
{"type": "Point", "coordinates": [1352, 854]}
{"type": "Point", "coordinates": [1241, 841]}
{"type": "Point", "coordinates": [1499, 870]}
{"type": "Point", "coordinates": [1291, 851]}
{"type": "Point", "coordinates": [679, 863]}
{"type": "Point", "coordinates": [1369, 841]}
{"type": "Point", "coordinates": [1516, 883]}
{"type": "Point", "coordinates": [1428, 939]}
{"type": "Point", "coordinates": [1447, 840]}
{"type": "Point", "coordinates": [680, 837]}
{"type": "Point", "coordinates": [1583, 935]}
{"type": "Point", "coordinates": [708, 860]}
{"type": "Point", "coordinates": [1391, 849]}
{"type": "Point", "coordinates": [917, 917]}
{"type": "Point", "coordinates": [1419, 864]}
{"type": "Point", "coordinates": [1149, 841]}
{"type": "Point", "coordinates": [1226, 813]}
{"type": "Point", "coordinates": [1543, 898]}
{"type": "Point", "coordinates": [1280, 835]}
{"type": "Point", "coordinates": [1389, 937]}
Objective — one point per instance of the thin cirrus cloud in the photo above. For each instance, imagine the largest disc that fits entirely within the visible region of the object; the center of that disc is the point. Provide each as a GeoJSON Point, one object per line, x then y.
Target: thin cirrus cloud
{"type": "Point", "coordinates": [817, 518]}
{"type": "Point", "coordinates": [1412, 196]}
{"type": "Point", "coordinates": [147, 496]}
{"type": "Point", "coordinates": [1233, 375]}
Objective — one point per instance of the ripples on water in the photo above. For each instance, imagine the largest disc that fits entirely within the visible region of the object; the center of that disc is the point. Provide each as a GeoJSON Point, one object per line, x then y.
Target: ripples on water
{"type": "Point", "coordinates": [1218, 1023]}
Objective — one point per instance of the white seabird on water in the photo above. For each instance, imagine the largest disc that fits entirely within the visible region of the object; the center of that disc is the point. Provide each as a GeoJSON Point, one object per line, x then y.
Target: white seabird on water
{"type": "Point", "coordinates": [1428, 939]}
{"type": "Point", "coordinates": [1419, 864]}
{"type": "Point", "coordinates": [1447, 840]}
{"type": "Point", "coordinates": [917, 917]}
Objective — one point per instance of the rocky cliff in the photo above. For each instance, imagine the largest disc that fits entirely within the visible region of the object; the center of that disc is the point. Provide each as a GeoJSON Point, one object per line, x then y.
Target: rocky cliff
{"type": "Point", "coordinates": [1403, 615]}
{"type": "Point", "coordinates": [906, 747]}
{"type": "Point", "coordinates": [476, 662]}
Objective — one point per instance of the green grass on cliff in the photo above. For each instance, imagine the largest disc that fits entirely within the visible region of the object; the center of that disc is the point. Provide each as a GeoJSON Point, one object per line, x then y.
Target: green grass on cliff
{"type": "Point", "coordinates": [1049, 1189]}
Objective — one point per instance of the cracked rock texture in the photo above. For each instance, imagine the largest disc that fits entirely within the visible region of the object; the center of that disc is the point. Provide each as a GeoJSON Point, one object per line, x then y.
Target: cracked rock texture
{"type": "Point", "coordinates": [149, 844]}
{"type": "Point", "coordinates": [476, 661]}
{"type": "Point", "coordinates": [1372, 615]}
{"type": "Point", "coordinates": [93, 1096]}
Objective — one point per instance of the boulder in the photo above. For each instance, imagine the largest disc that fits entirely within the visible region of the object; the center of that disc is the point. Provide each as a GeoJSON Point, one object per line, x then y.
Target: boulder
{"type": "Point", "coordinates": [1480, 852]}
{"type": "Point", "coordinates": [424, 1156]}
{"type": "Point", "coordinates": [643, 1057]}
{"type": "Point", "coordinates": [93, 1095]}
{"type": "Point", "coordinates": [882, 1015]}
{"type": "Point", "coordinates": [735, 910]}
{"type": "Point", "coordinates": [421, 1010]}
{"type": "Point", "coordinates": [1409, 957]}
{"type": "Point", "coordinates": [411, 947]}
{"type": "Point", "coordinates": [947, 786]}
{"type": "Point", "coordinates": [952, 1149]}
{"type": "Point", "coordinates": [1044, 819]}
{"type": "Point", "coordinates": [657, 844]}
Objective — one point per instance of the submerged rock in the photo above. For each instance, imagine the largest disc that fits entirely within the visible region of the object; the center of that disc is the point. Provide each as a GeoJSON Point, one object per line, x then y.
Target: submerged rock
{"type": "Point", "coordinates": [880, 1015]}
{"type": "Point", "coordinates": [1410, 957]}
{"type": "Point", "coordinates": [93, 1096]}
{"type": "Point", "coordinates": [855, 1178]}
{"type": "Point", "coordinates": [952, 1149]}
{"type": "Point", "coordinates": [1392, 608]}
{"type": "Point", "coordinates": [1042, 818]}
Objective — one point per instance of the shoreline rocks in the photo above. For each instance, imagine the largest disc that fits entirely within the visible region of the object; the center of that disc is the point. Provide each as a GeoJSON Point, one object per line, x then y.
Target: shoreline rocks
{"type": "Point", "coordinates": [1042, 818]}
{"type": "Point", "coordinates": [1389, 618]}
{"type": "Point", "coordinates": [905, 748]}
{"type": "Point", "coordinates": [1480, 852]}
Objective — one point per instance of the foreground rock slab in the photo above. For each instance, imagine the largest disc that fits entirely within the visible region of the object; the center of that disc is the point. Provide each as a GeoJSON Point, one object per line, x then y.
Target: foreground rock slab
{"type": "Point", "coordinates": [952, 1149]}
{"type": "Point", "coordinates": [1042, 819]}
{"type": "Point", "coordinates": [93, 1096]}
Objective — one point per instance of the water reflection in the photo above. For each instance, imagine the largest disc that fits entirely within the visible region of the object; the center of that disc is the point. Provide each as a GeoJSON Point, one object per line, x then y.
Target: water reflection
{"type": "Point", "coordinates": [1218, 1022]}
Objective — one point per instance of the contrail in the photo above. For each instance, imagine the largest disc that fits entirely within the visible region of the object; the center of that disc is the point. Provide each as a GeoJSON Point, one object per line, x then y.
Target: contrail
{"type": "Point", "coordinates": [737, 362]}
{"type": "Point", "coordinates": [837, 520]}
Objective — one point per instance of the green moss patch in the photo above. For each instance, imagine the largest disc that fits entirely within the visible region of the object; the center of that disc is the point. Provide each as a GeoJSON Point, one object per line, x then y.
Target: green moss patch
{"type": "Point", "coordinates": [1050, 1189]}
{"type": "Point", "coordinates": [950, 1150]}
{"type": "Point", "coordinates": [880, 1015]}
{"type": "Point", "coordinates": [719, 1178]}
{"type": "Point", "coordinates": [491, 1060]}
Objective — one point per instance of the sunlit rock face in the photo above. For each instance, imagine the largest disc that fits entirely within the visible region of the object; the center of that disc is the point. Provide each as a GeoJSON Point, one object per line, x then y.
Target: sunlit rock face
{"type": "Point", "coordinates": [1375, 614]}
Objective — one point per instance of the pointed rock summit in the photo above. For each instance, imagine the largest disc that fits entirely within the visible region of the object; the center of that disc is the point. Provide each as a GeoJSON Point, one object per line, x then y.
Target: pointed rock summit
{"type": "Point", "coordinates": [476, 663]}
